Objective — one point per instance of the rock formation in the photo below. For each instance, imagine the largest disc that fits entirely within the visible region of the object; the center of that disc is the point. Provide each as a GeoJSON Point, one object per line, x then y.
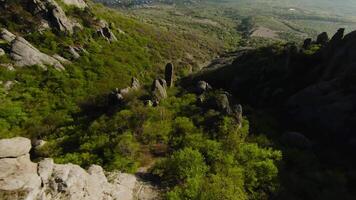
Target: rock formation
{"type": "Point", "coordinates": [6, 35]}
{"type": "Point", "coordinates": [20, 178]}
{"type": "Point", "coordinates": [76, 3]}
{"type": "Point", "coordinates": [322, 38]}
{"type": "Point", "coordinates": [118, 95]}
{"type": "Point", "coordinates": [169, 74]}
{"type": "Point", "coordinates": [104, 31]}
{"type": "Point", "coordinates": [50, 11]}
{"type": "Point", "coordinates": [24, 54]}
{"type": "Point", "coordinates": [202, 87]}
{"type": "Point", "coordinates": [316, 93]}
{"type": "Point", "coordinates": [159, 90]}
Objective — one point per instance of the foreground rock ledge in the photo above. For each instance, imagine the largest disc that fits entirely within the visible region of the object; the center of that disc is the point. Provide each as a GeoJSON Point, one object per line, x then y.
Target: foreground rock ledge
{"type": "Point", "coordinates": [20, 178]}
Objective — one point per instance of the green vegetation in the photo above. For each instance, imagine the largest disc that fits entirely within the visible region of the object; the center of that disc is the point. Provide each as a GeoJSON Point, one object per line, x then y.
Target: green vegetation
{"type": "Point", "coordinates": [197, 152]}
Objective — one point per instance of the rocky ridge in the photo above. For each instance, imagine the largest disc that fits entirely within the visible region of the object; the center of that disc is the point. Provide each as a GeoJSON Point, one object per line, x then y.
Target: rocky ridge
{"type": "Point", "coordinates": [311, 90]}
{"type": "Point", "coordinates": [20, 178]}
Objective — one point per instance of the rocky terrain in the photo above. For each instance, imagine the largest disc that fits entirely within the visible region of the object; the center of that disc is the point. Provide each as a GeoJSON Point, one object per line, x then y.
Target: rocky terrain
{"type": "Point", "coordinates": [20, 178]}
{"type": "Point", "coordinates": [93, 88]}
{"type": "Point", "coordinates": [314, 89]}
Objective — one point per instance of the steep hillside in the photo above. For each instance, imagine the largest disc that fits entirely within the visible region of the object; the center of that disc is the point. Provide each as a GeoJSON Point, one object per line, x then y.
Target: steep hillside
{"type": "Point", "coordinates": [310, 90]}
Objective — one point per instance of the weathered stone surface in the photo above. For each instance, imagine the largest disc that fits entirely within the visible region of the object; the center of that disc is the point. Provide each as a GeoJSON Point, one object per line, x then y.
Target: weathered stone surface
{"type": "Point", "coordinates": [6, 35]}
{"type": "Point", "coordinates": [2, 52]}
{"type": "Point", "coordinates": [135, 83]}
{"type": "Point", "coordinates": [322, 38]}
{"type": "Point", "coordinates": [76, 3]}
{"type": "Point", "coordinates": [53, 13]}
{"type": "Point", "coordinates": [159, 91]}
{"type": "Point", "coordinates": [24, 54]}
{"type": "Point", "coordinates": [14, 147]}
{"type": "Point", "coordinates": [105, 31]}
{"type": "Point", "coordinates": [237, 112]}
{"type": "Point", "coordinates": [169, 74]}
{"type": "Point", "coordinates": [18, 178]}
{"type": "Point", "coordinates": [61, 59]}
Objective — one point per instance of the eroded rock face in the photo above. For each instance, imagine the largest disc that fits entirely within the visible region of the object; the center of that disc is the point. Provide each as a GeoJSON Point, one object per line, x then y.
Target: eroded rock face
{"type": "Point", "coordinates": [159, 90]}
{"type": "Point", "coordinates": [24, 54]}
{"type": "Point", "coordinates": [76, 3]}
{"type": "Point", "coordinates": [14, 147]}
{"type": "Point", "coordinates": [20, 178]}
{"type": "Point", "coordinates": [53, 13]}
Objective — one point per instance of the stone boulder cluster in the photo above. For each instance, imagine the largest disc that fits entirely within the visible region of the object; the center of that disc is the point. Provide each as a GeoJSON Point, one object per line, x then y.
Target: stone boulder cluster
{"type": "Point", "coordinates": [53, 15]}
{"type": "Point", "coordinates": [160, 85]}
{"type": "Point", "coordinates": [221, 101]}
{"type": "Point", "coordinates": [25, 54]}
{"type": "Point", "coordinates": [20, 178]}
{"type": "Point", "coordinates": [105, 32]}
{"type": "Point", "coordinates": [118, 96]}
{"type": "Point", "coordinates": [323, 39]}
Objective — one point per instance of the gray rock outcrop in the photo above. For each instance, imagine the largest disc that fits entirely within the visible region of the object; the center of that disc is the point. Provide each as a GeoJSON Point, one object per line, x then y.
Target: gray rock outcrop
{"type": "Point", "coordinates": [159, 90]}
{"type": "Point", "coordinates": [14, 147]}
{"type": "Point", "coordinates": [53, 13]}
{"type": "Point", "coordinates": [20, 178]}
{"type": "Point", "coordinates": [104, 31]}
{"type": "Point", "coordinates": [169, 74]}
{"type": "Point", "coordinates": [24, 54]}
{"type": "Point", "coordinates": [76, 3]}
{"type": "Point", "coordinates": [6, 35]}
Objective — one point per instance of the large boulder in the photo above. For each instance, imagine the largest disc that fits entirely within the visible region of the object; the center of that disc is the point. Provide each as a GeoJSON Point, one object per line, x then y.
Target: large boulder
{"type": "Point", "coordinates": [159, 90]}
{"type": "Point", "coordinates": [104, 31]}
{"type": "Point", "coordinates": [169, 74]}
{"type": "Point", "coordinates": [15, 147]}
{"type": "Point", "coordinates": [24, 54]}
{"type": "Point", "coordinates": [76, 3]}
